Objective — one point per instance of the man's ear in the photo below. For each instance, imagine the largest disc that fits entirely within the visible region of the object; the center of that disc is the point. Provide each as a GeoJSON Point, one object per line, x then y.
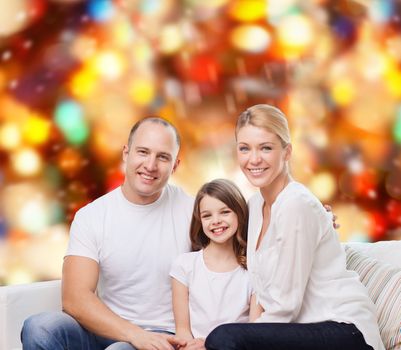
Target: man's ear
{"type": "Point", "coordinates": [125, 152]}
{"type": "Point", "coordinates": [176, 163]}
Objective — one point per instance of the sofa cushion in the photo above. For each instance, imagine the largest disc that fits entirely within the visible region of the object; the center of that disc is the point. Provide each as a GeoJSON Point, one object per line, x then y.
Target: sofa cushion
{"type": "Point", "coordinates": [383, 282]}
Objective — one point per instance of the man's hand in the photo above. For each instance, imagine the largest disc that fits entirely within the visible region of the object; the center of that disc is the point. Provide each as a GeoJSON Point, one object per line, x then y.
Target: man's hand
{"type": "Point", "coordinates": [146, 340]}
{"type": "Point", "coordinates": [195, 344]}
{"type": "Point", "coordinates": [335, 224]}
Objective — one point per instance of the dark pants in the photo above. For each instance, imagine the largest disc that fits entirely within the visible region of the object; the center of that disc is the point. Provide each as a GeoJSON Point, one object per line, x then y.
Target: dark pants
{"type": "Point", "coordinates": [327, 335]}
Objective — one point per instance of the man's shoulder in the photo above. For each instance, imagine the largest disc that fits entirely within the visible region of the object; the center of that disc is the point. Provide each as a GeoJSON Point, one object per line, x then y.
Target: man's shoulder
{"type": "Point", "coordinates": [177, 193]}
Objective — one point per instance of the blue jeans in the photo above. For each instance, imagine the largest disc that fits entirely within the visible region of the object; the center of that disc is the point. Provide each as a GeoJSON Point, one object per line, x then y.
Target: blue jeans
{"type": "Point", "coordinates": [327, 335]}
{"type": "Point", "coordinates": [60, 331]}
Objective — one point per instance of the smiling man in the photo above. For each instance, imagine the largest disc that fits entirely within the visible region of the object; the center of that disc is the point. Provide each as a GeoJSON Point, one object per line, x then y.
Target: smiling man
{"type": "Point", "coordinates": [116, 288]}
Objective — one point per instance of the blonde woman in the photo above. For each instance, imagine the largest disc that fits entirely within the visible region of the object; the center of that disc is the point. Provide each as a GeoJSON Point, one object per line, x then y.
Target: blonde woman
{"type": "Point", "coordinates": [295, 260]}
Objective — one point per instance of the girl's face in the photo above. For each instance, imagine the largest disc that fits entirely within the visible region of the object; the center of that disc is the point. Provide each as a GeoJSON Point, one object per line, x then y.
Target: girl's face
{"type": "Point", "coordinates": [219, 222]}
{"type": "Point", "coordinates": [261, 155]}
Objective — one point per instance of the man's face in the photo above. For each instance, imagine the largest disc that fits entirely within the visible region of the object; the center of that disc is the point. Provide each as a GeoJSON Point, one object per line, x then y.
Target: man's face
{"type": "Point", "coordinates": [149, 162]}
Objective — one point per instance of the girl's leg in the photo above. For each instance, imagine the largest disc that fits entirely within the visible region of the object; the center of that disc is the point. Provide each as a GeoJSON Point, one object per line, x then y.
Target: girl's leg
{"type": "Point", "coordinates": [327, 335]}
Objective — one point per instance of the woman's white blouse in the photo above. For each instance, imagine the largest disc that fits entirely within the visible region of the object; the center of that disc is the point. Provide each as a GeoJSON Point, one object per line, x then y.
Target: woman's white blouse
{"type": "Point", "coordinates": [299, 270]}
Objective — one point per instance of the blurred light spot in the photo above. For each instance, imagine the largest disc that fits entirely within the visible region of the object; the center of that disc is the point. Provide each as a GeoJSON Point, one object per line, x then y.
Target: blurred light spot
{"type": "Point", "coordinates": [34, 217]}
{"type": "Point", "coordinates": [295, 34]}
{"type": "Point", "coordinates": [69, 161]}
{"type": "Point", "coordinates": [380, 11]}
{"type": "Point", "coordinates": [343, 91]}
{"type": "Point", "coordinates": [26, 162]}
{"type": "Point", "coordinates": [142, 91]}
{"type": "Point", "coordinates": [248, 10]}
{"type": "Point", "coordinates": [251, 38]}
{"type": "Point", "coordinates": [397, 127]}
{"type": "Point", "coordinates": [69, 118]}
{"type": "Point", "coordinates": [323, 185]}
{"type": "Point", "coordinates": [10, 136]}
{"type": "Point", "coordinates": [13, 16]}
{"type": "Point", "coordinates": [36, 130]}
{"type": "Point", "coordinates": [83, 83]}
{"type": "Point", "coordinates": [101, 10]}
{"type": "Point", "coordinates": [171, 39]}
{"type": "Point", "coordinates": [354, 221]}
{"type": "Point", "coordinates": [19, 275]}
{"type": "Point", "coordinates": [83, 47]}
{"type": "Point", "coordinates": [110, 64]}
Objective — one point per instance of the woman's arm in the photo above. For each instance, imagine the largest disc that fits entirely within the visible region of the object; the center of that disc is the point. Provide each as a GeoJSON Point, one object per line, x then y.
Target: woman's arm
{"type": "Point", "coordinates": [255, 309]}
{"type": "Point", "coordinates": [181, 310]}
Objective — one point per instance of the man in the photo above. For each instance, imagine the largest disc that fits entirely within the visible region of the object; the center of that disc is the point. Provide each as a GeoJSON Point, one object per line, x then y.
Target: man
{"type": "Point", "coordinates": [115, 285]}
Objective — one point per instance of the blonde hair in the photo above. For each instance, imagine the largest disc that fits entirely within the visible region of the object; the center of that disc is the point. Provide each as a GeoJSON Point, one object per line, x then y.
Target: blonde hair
{"type": "Point", "coordinates": [267, 117]}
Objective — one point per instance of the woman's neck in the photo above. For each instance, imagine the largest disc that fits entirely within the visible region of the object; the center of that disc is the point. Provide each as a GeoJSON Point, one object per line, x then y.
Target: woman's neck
{"type": "Point", "coordinates": [270, 192]}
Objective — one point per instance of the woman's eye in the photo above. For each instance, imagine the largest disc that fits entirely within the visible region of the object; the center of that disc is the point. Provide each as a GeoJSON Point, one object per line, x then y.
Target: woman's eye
{"type": "Point", "coordinates": [243, 149]}
{"type": "Point", "coordinates": [266, 148]}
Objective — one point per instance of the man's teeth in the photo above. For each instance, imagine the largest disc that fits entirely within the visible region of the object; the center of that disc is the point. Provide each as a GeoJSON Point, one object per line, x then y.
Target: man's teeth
{"type": "Point", "coordinates": [256, 171]}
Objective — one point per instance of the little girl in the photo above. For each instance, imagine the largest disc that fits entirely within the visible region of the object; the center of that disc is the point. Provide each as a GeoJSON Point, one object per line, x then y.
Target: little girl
{"type": "Point", "coordinates": [211, 285]}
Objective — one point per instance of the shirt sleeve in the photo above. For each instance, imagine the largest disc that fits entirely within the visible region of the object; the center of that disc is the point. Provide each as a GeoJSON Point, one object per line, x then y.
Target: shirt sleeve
{"type": "Point", "coordinates": [287, 262]}
{"type": "Point", "coordinates": [179, 269]}
{"type": "Point", "coordinates": [83, 240]}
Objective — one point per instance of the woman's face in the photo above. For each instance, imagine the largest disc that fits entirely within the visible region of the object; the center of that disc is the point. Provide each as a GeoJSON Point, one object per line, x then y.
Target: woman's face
{"type": "Point", "coordinates": [261, 156]}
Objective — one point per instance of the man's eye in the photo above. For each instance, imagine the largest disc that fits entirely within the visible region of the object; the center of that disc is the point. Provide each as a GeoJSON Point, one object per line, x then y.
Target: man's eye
{"type": "Point", "coordinates": [164, 158]}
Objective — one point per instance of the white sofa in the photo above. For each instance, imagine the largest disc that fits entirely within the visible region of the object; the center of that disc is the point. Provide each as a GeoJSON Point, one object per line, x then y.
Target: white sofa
{"type": "Point", "coordinates": [20, 301]}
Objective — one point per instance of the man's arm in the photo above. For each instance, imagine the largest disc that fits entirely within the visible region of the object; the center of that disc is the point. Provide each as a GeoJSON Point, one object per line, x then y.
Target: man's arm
{"type": "Point", "coordinates": [80, 278]}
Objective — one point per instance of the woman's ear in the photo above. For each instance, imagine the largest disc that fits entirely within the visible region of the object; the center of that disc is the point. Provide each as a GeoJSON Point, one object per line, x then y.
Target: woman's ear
{"type": "Point", "coordinates": [288, 151]}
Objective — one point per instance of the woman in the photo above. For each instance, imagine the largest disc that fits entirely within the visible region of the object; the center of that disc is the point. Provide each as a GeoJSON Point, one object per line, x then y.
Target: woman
{"type": "Point", "coordinates": [296, 262]}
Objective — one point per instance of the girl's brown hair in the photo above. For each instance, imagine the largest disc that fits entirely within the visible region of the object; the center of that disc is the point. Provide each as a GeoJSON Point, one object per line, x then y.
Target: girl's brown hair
{"type": "Point", "coordinates": [227, 192]}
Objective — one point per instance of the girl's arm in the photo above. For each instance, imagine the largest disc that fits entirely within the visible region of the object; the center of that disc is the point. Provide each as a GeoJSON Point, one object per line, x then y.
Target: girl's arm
{"type": "Point", "coordinates": [181, 310]}
{"type": "Point", "coordinates": [255, 309]}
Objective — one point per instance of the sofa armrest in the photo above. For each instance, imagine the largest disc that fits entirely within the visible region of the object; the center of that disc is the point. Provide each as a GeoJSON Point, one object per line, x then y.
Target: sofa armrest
{"type": "Point", "coordinates": [21, 301]}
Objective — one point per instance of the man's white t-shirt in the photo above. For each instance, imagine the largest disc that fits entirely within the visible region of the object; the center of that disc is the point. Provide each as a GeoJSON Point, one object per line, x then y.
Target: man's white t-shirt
{"type": "Point", "coordinates": [214, 297]}
{"type": "Point", "coordinates": [135, 246]}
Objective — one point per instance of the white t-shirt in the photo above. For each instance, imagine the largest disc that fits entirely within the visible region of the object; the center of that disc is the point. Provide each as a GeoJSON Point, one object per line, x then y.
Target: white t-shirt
{"type": "Point", "coordinates": [135, 246]}
{"type": "Point", "coordinates": [299, 270]}
{"type": "Point", "coordinates": [214, 297]}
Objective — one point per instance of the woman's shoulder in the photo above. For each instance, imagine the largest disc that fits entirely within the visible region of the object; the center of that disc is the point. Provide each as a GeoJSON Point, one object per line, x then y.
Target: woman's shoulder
{"type": "Point", "coordinates": [299, 197]}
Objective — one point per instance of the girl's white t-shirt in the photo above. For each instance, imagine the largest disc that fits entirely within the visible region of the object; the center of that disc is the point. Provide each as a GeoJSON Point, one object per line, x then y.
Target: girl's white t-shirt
{"type": "Point", "coordinates": [214, 297]}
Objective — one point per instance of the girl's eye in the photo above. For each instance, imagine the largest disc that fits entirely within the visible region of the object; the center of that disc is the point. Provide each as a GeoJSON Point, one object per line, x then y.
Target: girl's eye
{"type": "Point", "coordinates": [205, 216]}
{"type": "Point", "coordinates": [226, 212]}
